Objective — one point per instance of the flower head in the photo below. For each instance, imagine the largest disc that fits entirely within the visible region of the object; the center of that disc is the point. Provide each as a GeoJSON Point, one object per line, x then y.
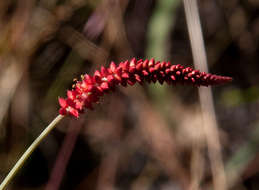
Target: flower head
{"type": "Point", "coordinates": [91, 88]}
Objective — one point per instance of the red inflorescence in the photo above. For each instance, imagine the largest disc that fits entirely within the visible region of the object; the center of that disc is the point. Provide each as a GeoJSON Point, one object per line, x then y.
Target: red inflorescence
{"type": "Point", "coordinates": [89, 90]}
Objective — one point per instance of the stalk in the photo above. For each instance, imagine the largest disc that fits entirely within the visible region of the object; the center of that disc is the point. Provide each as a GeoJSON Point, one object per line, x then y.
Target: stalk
{"type": "Point", "coordinates": [19, 164]}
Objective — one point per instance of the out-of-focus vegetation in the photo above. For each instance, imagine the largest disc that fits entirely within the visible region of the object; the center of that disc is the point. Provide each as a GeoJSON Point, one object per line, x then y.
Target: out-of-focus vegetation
{"type": "Point", "coordinates": [138, 137]}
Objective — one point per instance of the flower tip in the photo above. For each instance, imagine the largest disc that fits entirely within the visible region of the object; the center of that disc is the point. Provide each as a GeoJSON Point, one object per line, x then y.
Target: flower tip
{"type": "Point", "coordinates": [229, 79]}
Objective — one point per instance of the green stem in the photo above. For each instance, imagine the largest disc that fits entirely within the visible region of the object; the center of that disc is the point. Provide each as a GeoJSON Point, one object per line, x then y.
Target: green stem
{"type": "Point", "coordinates": [29, 151]}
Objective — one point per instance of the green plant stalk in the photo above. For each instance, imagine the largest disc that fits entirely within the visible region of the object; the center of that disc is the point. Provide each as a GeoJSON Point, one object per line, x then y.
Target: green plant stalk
{"type": "Point", "coordinates": [29, 151]}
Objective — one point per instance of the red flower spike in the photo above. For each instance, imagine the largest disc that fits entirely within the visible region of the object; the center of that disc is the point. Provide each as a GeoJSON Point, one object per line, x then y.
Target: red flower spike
{"type": "Point", "coordinates": [152, 69]}
{"type": "Point", "coordinates": [190, 74]}
{"type": "Point", "coordinates": [133, 62]}
{"type": "Point", "coordinates": [126, 66]}
{"type": "Point", "coordinates": [139, 61]}
{"type": "Point", "coordinates": [112, 67]}
{"type": "Point", "coordinates": [73, 112]}
{"type": "Point", "coordinates": [157, 66]}
{"type": "Point", "coordinates": [138, 78]}
{"type": "Point", "coordinates": [132, 69]}
{"type": "Point", "coordinates": [177, 67]}
{"type": "Point", "coordinates": [71, 94]}
{"type": "Point", "coordinates": [110, 79]}
{"type": "Point", "coordinates": [139, 66]}
{"type": "Point", "coordinates": [70, 102]}
{"type": "Point", "coordinates": [91, 88]}
{"type": "Point", "coordinates": [167, 71]}
{"type": "Point", "coordinates": [88, 79]}
{"type": "Point", "coordinates": [162, 74]}
{"type": "Point", "coordinates": [173, 77]}
{"type": "Point", "coordinates": [121, 65]}
{"type": "Point", "coordinates": [118, 71]}
{"type": "Point", "coordinates": [93, 98]}
{"type": "Point", "coordinates": [62, 102]}
{"type": "Point", "coordinates": [105, 86]}
{"type": "Point", "coordinates": [151, 63]}
{"type": "Point", "coordinates": [163, 65]}
{"type": "Point", "coordinates": [145, 73]}
{"type": "Point", "coordinates": [104, 71]}
{"type": "Point", "coordinates": [125, 75]}
{"type": "Point", "coordinates": [168, 64]}
{"type": "Point", "coordinates": [117, 77]}
{"type": "Point", "coordinates": [62, 111]}
{"type": "Point", "coordinates": [173, 68]}
{"type": "Point", "coordinates": [131, 82]}
{"type": "Point", "coordinates": [97, 76]}
{"type": "Point", "coordinates": [83, 85]}
{"type": "Point", "coordinates": [79, 105]}
{"type": "Point", "coordinates": [145, 64]}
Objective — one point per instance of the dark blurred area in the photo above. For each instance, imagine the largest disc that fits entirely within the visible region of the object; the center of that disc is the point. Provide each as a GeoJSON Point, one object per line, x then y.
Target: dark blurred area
{"type": "Point", "coordinates": [138, 138]}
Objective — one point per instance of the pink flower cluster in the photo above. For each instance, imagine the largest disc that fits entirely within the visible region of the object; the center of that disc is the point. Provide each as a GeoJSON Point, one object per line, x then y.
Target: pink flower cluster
{"type": "Point", "coordinates": [91, 88]}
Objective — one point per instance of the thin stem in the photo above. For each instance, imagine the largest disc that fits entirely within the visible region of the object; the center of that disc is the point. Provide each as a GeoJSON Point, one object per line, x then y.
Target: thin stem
{"type": "Point", "coordinates": [29, 151]}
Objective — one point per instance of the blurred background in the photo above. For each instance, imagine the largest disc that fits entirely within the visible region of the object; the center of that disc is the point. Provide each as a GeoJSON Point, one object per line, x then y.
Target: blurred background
{"type": "Point", "coordinates": [149, 137]}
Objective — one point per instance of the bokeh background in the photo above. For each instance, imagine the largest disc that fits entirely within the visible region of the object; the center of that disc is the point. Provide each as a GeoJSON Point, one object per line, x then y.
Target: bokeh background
{"type": "Point", "coordinates": [149, 137]}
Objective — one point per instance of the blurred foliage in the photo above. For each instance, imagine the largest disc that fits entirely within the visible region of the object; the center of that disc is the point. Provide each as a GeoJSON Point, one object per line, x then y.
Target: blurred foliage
{"type": "Point", "coordinates": [138, 137]}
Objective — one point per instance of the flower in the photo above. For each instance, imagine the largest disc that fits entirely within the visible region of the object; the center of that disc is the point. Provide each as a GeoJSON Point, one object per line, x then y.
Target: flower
{"type": "Point", "coordinates": [91, 88]}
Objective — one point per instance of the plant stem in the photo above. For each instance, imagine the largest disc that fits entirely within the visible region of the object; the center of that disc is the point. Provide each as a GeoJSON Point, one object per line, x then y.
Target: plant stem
{"type": "Point", "coordinates": [211, 130]}
{"type": "Point", "coordinates": [29, 151]}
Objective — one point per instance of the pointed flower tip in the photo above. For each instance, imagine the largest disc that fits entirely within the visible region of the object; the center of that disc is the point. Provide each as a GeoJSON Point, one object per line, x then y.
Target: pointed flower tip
{"type": "Point", "coordinates": [91, 88]}
{"type": "Point", "coordinates": [229, 79]}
